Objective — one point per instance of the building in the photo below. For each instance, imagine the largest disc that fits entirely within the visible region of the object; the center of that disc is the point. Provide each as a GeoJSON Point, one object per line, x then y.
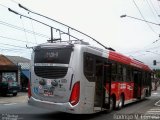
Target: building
{"type": "Point", "coordinates": [8, 69]}
{"type": "Point", "coordinates": [23, 65]}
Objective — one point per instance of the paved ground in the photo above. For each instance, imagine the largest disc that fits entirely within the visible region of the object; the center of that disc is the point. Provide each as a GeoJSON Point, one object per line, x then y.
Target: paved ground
{"type": "Point", "coordinates": [17, 107]}
{"type": "Point", "coordinates": [9, 99]}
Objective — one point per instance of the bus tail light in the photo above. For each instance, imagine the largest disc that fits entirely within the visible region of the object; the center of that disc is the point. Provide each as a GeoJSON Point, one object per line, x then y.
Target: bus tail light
{"type": "Point", "coordinates": [29, 89]}
{"type": "Point", "coordinates": [74, 98]}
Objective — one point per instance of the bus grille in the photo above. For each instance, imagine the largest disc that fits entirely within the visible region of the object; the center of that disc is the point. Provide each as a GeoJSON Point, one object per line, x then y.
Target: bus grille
{"type": "Point", "coordinates": [50, 72]}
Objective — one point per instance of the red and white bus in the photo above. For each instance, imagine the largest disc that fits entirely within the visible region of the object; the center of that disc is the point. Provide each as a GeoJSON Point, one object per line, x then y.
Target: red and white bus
{"type": "Point", "coordinates": [75, 77]}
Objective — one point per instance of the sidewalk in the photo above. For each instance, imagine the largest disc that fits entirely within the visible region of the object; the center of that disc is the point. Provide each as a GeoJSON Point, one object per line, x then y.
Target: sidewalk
{"type": "Point", "coordinates": [157, 93]}
{"type": "Point", "coordinates": [20, 98]}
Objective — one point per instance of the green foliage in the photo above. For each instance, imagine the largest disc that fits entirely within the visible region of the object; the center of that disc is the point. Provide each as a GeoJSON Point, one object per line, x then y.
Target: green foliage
{"type": "Point", "coordinates": [157, 72]}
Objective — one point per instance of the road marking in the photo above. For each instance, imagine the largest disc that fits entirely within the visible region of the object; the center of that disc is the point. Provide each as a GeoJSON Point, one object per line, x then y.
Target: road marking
{"type": "Point", "coordinates": [10, 104]}
{"type": "Point", "coordinates": [156, 104]}
{"type": "Point", "coordinates": [157, 109]}
{"type": "Point", "coordinates": [153, 111]}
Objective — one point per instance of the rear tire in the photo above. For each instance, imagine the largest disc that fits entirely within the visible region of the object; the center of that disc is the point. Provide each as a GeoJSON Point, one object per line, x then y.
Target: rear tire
{"type": "Point", "coordinates": [121, 102]}
{"type": "Point", "coordinates": [111, 105]}
{"type": "Point", "coordinates": [14, 94]}
{"type": "Point", "coordinates": [146, 93]}
{"type": "Point", "coordinates": [4, 94]}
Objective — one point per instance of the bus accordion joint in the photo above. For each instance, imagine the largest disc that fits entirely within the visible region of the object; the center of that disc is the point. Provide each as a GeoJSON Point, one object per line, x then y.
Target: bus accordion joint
{"type": "Point", "coordinates": [74, 98]}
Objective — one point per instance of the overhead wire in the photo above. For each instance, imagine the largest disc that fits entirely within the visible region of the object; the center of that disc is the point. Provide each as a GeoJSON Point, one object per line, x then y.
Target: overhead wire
{"type": "Point", "coordinates": [152, 9]}
{"type": "Point", "coordinates": [23, 29]}
{"type": "Point", "coordinates": [14, 39]}
{"type": "Point", "coordinates": [158, 3]}
{"type": "Point", "coordinates": [3, 6]}
{"type": "Point", "coordinates": [19, 28]}
{"type": "Point", "coordinates": [145, 48]}
{"type": "Point", "coordinates": [33, 29]}
{"type": "Point", "coordinates": [11, 49]}
{"type": "Point", "coordinates": [12, 45]}
{"type": "Point", "coordinates": [143, 17]}
{"type": "Point", "coordinates": [138, 10]}
{"type": "Point", "coordinates": [4, 48]}
{"type": "Point", "coordinates": [142, 50]}
{"type": "Point", "coordinates": [14, 1]}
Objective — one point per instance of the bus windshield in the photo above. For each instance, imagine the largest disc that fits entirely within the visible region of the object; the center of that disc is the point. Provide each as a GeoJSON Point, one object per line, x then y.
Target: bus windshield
{"type": "Point", "coordinates": [53, 55]}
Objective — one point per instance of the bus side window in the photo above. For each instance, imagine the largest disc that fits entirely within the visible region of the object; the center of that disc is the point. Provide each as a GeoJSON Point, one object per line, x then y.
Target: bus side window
{"type": "Point", "coordinates": [124, 74]}
{"type": "Point", "coordinates": [89, 67]}
{"type": "Point", "coordinates": [114, 72]}
{"type": "Point", "coordinates": [120, 72]}
{"type": "Point", "coordinates": [129, 74]}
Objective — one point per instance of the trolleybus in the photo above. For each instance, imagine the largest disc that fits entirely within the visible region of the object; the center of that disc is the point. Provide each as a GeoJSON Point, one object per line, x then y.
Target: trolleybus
{"type": "Point", "coordinates": [81, 79]}
{"type": "Point", "coordinates": [68, 74]}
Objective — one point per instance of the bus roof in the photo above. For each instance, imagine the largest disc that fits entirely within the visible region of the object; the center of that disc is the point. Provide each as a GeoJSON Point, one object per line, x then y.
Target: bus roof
{"type": "Point", "coordinates": [112, 55]}
{"type": "Point", "coordinates": [127, 60]}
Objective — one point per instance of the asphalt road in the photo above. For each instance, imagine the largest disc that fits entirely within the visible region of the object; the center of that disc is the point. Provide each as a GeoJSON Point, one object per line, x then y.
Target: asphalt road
{"type": "Point", "coordinates": [148, 109]}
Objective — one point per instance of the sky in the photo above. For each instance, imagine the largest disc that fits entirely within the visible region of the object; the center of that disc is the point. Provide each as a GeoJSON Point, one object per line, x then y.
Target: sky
{"type": "Point", "coordinates": [98, 18]}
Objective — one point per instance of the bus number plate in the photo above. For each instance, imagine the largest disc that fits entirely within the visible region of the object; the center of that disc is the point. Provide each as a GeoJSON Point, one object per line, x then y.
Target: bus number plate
{"type": "Point", "coordinates": [48, 93]}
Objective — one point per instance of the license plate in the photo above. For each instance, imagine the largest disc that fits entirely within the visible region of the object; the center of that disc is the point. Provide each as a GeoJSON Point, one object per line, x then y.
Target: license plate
{"type": "Point", "coordinates": [48, 93]}
{"type": "Point", "coordinates": [14, 91]}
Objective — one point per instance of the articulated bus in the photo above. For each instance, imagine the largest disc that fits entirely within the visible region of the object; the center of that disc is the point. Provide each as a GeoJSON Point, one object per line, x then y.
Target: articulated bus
{"type": "Point", "coordinates": [81, 79]}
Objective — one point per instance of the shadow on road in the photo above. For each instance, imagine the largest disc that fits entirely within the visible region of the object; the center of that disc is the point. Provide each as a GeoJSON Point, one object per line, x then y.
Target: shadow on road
{"type": "Point", "coordinates": [66, 116]}
{"type": "Point", "coordinates": [136, 102]}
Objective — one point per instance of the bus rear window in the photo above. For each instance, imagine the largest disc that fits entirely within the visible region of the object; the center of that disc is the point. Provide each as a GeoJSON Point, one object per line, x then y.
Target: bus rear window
{"type": "Point", "coordinates": [53, 55]}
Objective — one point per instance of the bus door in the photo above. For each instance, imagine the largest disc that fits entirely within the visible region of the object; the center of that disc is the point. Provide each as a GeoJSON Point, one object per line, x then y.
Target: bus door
{"type": "Point", "coordinates": [98, 83]}
{"type": "Point", "coordinates": [137, 84]}
{"type": "Point", "coordinates": [103, 84]}
{"type": "Point", "coordinates": [106, 85]}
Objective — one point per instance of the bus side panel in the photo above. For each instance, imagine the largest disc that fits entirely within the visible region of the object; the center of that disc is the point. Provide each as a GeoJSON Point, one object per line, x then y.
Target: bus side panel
{"type": "Point", "coordinates": [89, 97]}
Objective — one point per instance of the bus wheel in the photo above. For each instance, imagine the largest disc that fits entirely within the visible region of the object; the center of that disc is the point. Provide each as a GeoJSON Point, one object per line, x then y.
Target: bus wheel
{"type": "Point", "coordinates": [112, 104]}
{"type": "Point", "coordinates": [121, 102]}
{"type": "Point", "coordinates": [146, 93]}
{"type": "Point", "coordinates": [14, 94]}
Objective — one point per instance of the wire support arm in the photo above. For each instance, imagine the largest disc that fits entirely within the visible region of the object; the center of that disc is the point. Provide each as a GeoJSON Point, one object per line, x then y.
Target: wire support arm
{"type": "Point", "coordinates": [41, 23]}
{"type": "Point", "coordinates": [21, 6]}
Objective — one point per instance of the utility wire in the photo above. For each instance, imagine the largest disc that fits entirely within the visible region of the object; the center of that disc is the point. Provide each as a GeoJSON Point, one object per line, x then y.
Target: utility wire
{"type": "Point", "coordinates": [152, 10]}
{"type": "Point", "coordinates": [142, 50]}
{"type": "Point", "coordinates": [14, 1]}
{"type": "Point", "coordinates": [143, 17]}
{"type": "Point", "coordinates": [13, 48]}
{"type": "Point", "coordinates": [12, 45]}
{"type": "Point", "coordinates": [158, 3]}
{"type": "Point", "coordinates": [33, 29]}
{"type": "Point", "coordinates": [19, 28]}
{"type": "Point", "coordinates": [68, 27]}
{"type": "Point", "coordinates": [3, 6]}
{"type": "Point", "coordinates": [154, 7]}
{"type": "Point", "coordinates": [14, 39]}
{"type": "Point", "coordinates": [22, 29]}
